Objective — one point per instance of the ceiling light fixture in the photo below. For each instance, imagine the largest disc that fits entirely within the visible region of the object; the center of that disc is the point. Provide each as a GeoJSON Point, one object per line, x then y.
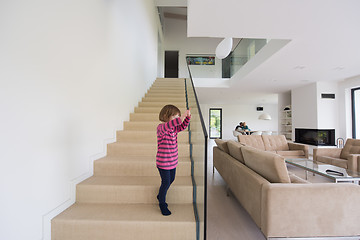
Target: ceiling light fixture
{"type": "Point", "coordinates": [265, 116]}
{"type": "Point", "coordinates": [224, 48]}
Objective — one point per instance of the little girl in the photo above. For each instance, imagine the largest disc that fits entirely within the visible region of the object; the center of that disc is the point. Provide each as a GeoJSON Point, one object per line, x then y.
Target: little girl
{"type": "Point", "coordinates": [167, 153]}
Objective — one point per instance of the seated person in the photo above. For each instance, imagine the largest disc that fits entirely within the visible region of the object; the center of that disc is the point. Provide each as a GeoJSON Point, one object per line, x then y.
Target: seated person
{"type": "Point", "coordinates": [239, 127]}
{"type": "Point", "coordinates": [245, 127]}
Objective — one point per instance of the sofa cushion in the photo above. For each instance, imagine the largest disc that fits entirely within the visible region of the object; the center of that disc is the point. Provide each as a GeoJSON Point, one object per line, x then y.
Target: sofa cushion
{"type": "Point", "coordinates": [299, 153]}
{"type": "Point", "coordinates": [352, 146]}
{"type": "Point", "coordinates": [296, 179]}
{"type": "Point", "coordinates": [255, 141]}
{"type": "Point", "coordinates": [333, 161]}
{"type": "Point", "coordinates": [235, 150]}
{"type": "Point", "coordinates": [269, 165]}
{"type": "Point", "coordinates": [275, 143]}
{"type": "Point", "coordinates": [222, 145]}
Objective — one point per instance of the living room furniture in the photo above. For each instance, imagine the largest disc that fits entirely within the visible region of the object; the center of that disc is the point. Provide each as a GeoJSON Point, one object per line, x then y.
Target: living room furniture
{"type": "Point", "coordinates": [236, 133]}
{"type": "Point", "coordinates": [347, 157]}
{"type": "Point", "coordinates": [286, 124]}
{"type": "Point", "coordinates": [256, 133]}
{"type": "Point", "coordinates": [337, 174]}
{"type": "Point", "coordinates": [266, 133]}
{"type": "Point", "coordinates": [276, 144]}
{"type": "Point", "coordinates": [282, 204]}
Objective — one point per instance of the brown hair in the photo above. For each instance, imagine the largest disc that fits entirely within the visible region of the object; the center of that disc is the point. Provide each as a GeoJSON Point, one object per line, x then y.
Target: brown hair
{"type": "Point", "coordinates": [167, 112]}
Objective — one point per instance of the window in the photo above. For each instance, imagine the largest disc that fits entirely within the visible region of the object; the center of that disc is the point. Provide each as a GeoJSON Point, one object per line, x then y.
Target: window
{"type": "Point", "coordinates": [215, 123]}
{"type": "Point", "coordinates": [355, 100]}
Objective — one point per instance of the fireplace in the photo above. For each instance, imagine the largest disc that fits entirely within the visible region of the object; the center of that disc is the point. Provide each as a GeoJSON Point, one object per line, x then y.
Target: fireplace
{"type": "Point", "coordinates": [317, 137]}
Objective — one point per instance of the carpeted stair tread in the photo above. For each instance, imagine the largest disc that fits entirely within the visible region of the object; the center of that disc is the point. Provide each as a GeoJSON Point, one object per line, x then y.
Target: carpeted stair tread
{"type": "Point", "coordinates": [152, 110]}
{"type": "Point", "coordinates": [141, 125]}
{"type": "Point", "coordinates": [134, 180]}
{"type": "Point", "coordinates": [125, 222]}
{"type": "Point", "coordinates": [126, 212]}
{"type": "Point", "coordinates": [135, 158]}
{"type": "Point", "coordinates": [166, 94]}
{"type": "Point", "coordinates": [161, 104]}
{"type": "Point", "coordinates": [146, 117]}
{"type": "Point", "coordinates": [140, 148]}
{"type": "Point", "coordinates": [132, 189]}
{"type": "Point", "coordinates": [135, 166]}
{"type": "Point", "coordinates": [146, 136]}
{"type": "Point", "coordinates": [143, 144]}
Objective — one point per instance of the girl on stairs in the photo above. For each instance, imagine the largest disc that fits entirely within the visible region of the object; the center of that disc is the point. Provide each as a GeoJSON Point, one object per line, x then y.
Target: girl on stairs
{"type": "Point", "coordinates": [167, 151]}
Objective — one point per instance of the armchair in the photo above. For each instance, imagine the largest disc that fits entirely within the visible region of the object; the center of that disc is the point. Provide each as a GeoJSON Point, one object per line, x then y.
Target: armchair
{"type": "Point", "coordinates": [347, 157]}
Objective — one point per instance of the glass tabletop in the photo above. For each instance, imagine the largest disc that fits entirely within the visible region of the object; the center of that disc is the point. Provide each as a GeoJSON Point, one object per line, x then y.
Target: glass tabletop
{"type": "Point", "coordinates": [324, 169]}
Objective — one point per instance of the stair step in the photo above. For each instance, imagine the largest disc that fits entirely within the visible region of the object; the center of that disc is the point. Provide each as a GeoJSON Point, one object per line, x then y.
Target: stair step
{"type": "Point", "coordinates": [141, 126]}
{"type": "Point", "coordinates": [171, 82]}
{"type": "Point", "coordinates": [132, 189]}
{"type": "Point", "coordinates": [162, 104]}
{"type": "Point", "coordinates": [125, 222]}
{"type": "Point", "coordinates": [146, 136]}
{"type": "Point", "coordinates": [177, 88]}
{"type": "Point", "coordinates": [136, 166]}
{"type": "Point", "coordinates": [166, 91]}
{"type": "Point", "coordinates": [141, 149]}
{"type": "Point", "coordinates": [169, 79]}
{"type": "Point", "coordinates": [151, 126]}
{"type": "Point", "coordinates": [165, 94]}
{"type": "Point", "coordinates": [152, 117]}
{"type": "Point", "coordinates": [152, 110]}
{"type": "Point", "coordinates": [164, 99]}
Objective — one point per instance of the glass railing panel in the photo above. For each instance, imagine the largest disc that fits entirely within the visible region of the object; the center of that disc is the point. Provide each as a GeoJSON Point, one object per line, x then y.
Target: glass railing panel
{"type": "Point", "coordinates": [210, 67]}
{"type": "Point", "coordinates": [198, 143]}
{"type": "Point", "coordinates": [243, 52]}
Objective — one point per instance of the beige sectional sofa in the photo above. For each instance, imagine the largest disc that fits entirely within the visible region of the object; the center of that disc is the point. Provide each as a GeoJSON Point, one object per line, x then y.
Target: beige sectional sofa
{"type": "Point", "coordinates": [282, 204]}
{"type": "Point", "coordinates": [276, 144]}
{"type": "Point", "coordinates": [347, 157]}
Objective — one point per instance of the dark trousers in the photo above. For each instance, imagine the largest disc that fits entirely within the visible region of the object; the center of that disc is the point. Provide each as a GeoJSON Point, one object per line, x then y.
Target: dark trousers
{"type": "Point", "coordinates": [167, 178]}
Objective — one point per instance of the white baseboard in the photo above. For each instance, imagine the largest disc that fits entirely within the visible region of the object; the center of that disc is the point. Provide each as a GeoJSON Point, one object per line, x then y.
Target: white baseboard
{"type": "Point", "coordinates": [47, 217]}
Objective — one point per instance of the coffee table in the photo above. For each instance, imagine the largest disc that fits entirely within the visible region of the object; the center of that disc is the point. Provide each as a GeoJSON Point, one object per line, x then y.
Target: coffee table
{"type": "Point", "coordinates": [337, 174]}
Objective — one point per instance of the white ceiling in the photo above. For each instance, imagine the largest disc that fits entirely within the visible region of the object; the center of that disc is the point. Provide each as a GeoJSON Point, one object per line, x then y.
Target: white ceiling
{"type": "Point", "coordinates": [324, 40]}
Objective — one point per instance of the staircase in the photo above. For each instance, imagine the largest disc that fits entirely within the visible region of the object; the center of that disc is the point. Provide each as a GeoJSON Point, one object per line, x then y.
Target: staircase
{"type": "Point", "coordinates": [119, 200]}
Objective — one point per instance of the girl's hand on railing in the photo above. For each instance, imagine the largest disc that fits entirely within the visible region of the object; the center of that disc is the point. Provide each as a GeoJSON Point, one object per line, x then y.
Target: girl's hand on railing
{"type": "Point", "coordinates": [188, 113]}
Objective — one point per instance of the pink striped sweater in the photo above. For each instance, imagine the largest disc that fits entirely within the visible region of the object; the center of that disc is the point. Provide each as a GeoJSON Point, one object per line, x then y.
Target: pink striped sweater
{"type": "Point", "coordinates": [167, 153]}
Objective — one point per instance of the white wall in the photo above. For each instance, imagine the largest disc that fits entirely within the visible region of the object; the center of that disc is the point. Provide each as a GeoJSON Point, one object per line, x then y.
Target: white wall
{"type": "Point", "coordinates": [70, 72]}
{"type": "Point", "coordinates": [175, 34]}
{"type": "Point", "coordinates": [311, 111]}
{"type": "Point", "coordinates": [328, 109]}
{"type": "Point", "coordinates": [304, 107]}
{"type": "Point", "coordinates": [232, 114]}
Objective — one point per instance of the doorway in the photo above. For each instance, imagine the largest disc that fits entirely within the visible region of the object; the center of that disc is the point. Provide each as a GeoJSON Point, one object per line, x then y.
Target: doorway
{"type": "Point", "coordinates": [215, 123]}
{"type": "Point", "coordinates": [355, 100]}
{"type": "Point", "coordinates": [171, 64]}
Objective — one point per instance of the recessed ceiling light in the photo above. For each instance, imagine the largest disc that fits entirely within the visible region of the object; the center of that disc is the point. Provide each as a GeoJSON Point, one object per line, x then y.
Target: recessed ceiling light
{"type": "Point", "coordinates": [300, 67]}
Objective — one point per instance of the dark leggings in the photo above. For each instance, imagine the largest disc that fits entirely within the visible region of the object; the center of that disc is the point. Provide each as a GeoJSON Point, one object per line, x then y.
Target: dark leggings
{"type": "Point", "coordinates": [167, 178]}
